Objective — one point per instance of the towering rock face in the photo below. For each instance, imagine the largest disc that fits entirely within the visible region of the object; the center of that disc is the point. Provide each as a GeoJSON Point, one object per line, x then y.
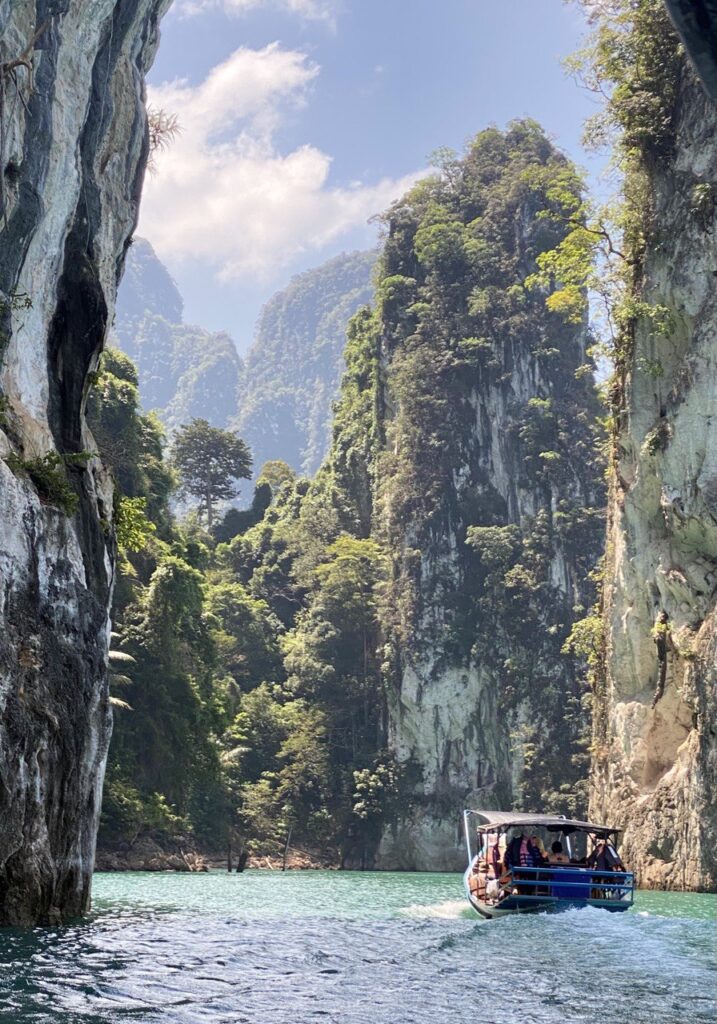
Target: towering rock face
{"type": "Point", "coordinates": [656, 766]}
{"type": "Point", "coordinates": [74, 149]}
{"type": "Point", "coordinates": [184, 371]}
{"type": "Point", "coordinates": [482, 487]}
{"type": "Point", "coordinates": [696, 22]}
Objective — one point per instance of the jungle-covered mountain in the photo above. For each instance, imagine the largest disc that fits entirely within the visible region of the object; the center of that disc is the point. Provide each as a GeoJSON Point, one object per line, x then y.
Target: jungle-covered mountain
{"type": "Point", "coordinates": [293, 369]}
{"type": "Point", "coordinates": [359, 653]}
{"type": "Point", "coordinates": [184, 370]}
{"type": "Point", "coordinates": [280, 398]}
{"type": "Point", "coordinates": [375, 645]}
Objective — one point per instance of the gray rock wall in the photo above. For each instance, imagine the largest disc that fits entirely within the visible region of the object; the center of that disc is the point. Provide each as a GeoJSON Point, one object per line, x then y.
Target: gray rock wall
{"type": "Point", "coordinates": [73, 152]}
{"type": "Point", "coordinates": [656, 767]}
{"type": "Point", "coordinates": [466, 719]}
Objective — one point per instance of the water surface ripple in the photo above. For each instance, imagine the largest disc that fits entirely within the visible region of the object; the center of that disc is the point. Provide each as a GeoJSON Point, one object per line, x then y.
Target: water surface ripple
{"type": "Point", "coordinates": [267, 948]}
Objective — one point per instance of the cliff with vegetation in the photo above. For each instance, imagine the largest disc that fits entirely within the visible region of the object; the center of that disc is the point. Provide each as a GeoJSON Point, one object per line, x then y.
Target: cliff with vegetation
{"type": "Point", "coordinates": [483, 489]}
{"type": "Point", "coordinates": [655, 759]}
{"type": "Point", "coordinates": [74, 146]}
{"type": "Point", "coordinates": [294, 367]}
{"type": "Point", "coordinates": [371, 650]}
{"type": "Point", "coordinates": [184, 370]}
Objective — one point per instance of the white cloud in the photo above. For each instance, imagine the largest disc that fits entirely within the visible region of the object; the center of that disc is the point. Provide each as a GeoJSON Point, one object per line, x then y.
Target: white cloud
{"type": "Point", "coordinates": [311, 10]}
{"type": "Point", "coordinates": [223, 193]}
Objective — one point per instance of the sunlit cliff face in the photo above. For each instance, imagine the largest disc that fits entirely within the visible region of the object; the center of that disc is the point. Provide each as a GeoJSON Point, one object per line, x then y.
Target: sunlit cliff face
{"type": "Point", "coordinates": [656, 767]}
{"type": "Point", "coordinates": [74, 151]}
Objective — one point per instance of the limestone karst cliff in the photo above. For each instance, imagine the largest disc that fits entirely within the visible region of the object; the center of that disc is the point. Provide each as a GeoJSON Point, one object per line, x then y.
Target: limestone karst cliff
{"type": "Point", "coordinates": [466, 444]}
{"type": "Point", "coordinates": [74, 146]}
{"type": "Point", "coordinates": [655, 756]}
{"type": "Point", "coordinates": [280, 400]}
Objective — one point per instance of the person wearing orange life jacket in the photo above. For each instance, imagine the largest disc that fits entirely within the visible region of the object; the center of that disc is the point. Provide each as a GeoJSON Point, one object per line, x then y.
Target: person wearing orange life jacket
{"type": "Point", "coordinates": [522, 852]}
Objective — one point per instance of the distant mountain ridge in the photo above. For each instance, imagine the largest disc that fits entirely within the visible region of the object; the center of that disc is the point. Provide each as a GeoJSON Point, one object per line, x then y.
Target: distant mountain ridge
{"type": "Point", "coordinates": [185, 371]}
{"type": "Point", "coordinates": [294, 368]}
{"type": "Point", "coordinates": [280, 399]}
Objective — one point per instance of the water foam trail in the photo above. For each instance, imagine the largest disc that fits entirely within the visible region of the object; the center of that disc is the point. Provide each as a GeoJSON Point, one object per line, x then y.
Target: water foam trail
{"type": "Point", "coordinates": [449, 910]}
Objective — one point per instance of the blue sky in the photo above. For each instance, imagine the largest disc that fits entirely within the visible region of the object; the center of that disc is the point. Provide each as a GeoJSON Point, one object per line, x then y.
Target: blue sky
{"type": "Point", "coordinates": [302, 118]}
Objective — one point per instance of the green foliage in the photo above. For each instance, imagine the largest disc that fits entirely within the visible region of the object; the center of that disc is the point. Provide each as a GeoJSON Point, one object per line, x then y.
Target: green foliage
{"type": "Point", "coordinates": [235, 522]}
{"type": "Point", "coordinates": [585, 639]}
{"type": "Point", "coordinates": [497, 546]}
{"type": "Point", "coordinates": [126, 812]}
{"type": "Point", "coordinates": [566, 271]}
{"type": "Point", "coordinates": [49, 475]}
{"type": "Point", "coordinates": [164, 774]}
{"type": "Point", "coordinates": [240, 724]}
{"type": "Point", "coordinates": [130, 445]}
{"type": "Point", "coordinates": [209, 460]}
{"type": "Point", "coordinates": [379, 794]}
{"type": "Point", "coordinates": [245, 634]}
{"type": "Point", "coordinates": [632, 60]}
{"type": "Point", "coordinates": [133, 528]}
{"type": "Point", "coordinates": [276, 473]}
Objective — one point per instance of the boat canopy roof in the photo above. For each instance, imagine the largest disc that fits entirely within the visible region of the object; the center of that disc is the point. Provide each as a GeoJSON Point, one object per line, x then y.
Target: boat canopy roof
{"type": "Point", "coordinates": [493, 820]}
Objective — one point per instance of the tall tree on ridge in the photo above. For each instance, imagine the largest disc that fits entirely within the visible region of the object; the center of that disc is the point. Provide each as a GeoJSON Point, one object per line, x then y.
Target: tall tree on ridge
{"type": "Point", "coordinates": [209, 460]}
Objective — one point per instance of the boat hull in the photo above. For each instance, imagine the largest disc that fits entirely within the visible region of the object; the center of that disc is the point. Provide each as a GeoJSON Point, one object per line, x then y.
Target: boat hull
{"type": "Point", "coordinates": [515, 904]}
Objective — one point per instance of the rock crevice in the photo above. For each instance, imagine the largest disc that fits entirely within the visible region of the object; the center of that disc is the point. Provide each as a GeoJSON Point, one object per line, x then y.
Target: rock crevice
{"type": "Point", "coordinates": [74, 146]}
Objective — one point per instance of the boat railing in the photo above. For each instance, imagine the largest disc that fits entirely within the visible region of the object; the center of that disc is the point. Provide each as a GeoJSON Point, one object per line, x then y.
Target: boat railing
{"type": "Point", "coordinates": [571, 882]}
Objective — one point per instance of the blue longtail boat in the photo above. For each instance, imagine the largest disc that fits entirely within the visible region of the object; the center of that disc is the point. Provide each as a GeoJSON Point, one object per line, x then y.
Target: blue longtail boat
{"type": "Point", "coordinates": [511, 871]}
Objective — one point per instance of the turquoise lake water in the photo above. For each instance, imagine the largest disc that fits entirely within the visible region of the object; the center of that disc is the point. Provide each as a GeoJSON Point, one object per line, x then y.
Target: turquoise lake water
{"type": "Point", "coordinates": [355, 948]}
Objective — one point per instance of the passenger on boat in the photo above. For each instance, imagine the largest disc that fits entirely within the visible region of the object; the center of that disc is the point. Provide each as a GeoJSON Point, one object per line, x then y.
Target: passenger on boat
{"type": "Point", "coordinates": [495, 866]}
{"type": "Point", "coordinates": [539, 846]}
{"type": "Point", "coordinates": [521, 852]}
{"type": "Point", "coordinates": [557, 856]}
{"type": "Point", "coordinates": [485, 881]}
{"type": "Point", "coordinates": [478, 877]}
{"type": "Point", "coordinates": [605, 857]}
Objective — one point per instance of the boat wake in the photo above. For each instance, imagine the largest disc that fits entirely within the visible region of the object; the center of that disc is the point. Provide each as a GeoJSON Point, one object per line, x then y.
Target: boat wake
{"type": "Point", "coordinates": [449, 910]}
